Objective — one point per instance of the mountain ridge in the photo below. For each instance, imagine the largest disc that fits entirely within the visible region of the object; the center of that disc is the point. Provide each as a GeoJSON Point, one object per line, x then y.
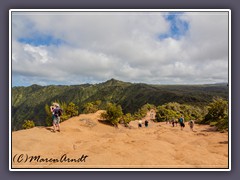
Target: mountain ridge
{"type": "Point", "coordinates": [28, 103]}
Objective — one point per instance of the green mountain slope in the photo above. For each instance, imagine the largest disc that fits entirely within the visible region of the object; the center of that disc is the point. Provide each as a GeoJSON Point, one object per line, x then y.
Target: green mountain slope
{"type": "Point", "coordinates": [29, 102]}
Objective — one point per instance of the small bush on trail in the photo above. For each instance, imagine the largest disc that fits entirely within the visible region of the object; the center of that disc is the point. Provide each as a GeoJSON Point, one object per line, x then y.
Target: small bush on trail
{"type": "Point", "coordinates": [28, 124]}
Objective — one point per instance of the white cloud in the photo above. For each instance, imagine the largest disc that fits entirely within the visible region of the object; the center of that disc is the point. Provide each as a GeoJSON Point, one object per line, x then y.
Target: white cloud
{"type": "Point", "coordinates": [122, 45]}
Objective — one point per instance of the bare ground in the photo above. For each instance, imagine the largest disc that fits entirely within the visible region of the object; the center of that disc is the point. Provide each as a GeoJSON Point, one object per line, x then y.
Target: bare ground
{"type": "Point", "coordinates": [93, 144]}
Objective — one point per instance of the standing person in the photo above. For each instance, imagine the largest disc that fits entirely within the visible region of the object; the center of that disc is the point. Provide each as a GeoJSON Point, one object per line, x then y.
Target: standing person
{"type": "Point", "coordinates": [173, 122]}
{"type": "Point", "coordinates": [146, 123]}
{"type": "Point", "coordinates": [151, 114]}
{"type": "Point", "coordinates": [176, 121]}
{"type": "Point", "coordinates": [140, 123]}
{"type": "Point", "coordinates": [181, 121]}
{"type": "Point", "coordinates": [56, 120]}
{"type": "Point", "coordinates": [191, 124]}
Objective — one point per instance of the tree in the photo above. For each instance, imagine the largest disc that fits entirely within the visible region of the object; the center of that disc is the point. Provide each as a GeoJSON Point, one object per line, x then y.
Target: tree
{"type": "Point", "coordinates": [48, 119]}
{"type": "Point", "coordinates": [88, 107]}
{"type": "Point", "coordinates": [72, 110]}
{"type": "Point", "coordinates": [222, 124]}
{"type": "Point", "coordinates": [142, 112]}
{"type": "Point", "coordinates": [173, 106]}
{"type": "Point", "coordinates": [113, 113]}
{"type": "Point", "coordinates": [164, 114]}
{"type": "Point", "coordinates": [92, 107]}
{"type": "Point", "coordinates": [217, 110]}
{"type": "Point", "coordinates": [127, 118]}
{"type": "Point", "coordinates": [175, 110]}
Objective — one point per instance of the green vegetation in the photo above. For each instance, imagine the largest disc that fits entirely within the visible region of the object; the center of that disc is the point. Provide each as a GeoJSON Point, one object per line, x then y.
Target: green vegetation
{"type": "Point", "coordinates": [71, 110]}
{"type": "Point", "coordinates": [48, 121]}
{"type": "Point", "coordinates": [164, 114]}
{"type": "Point", "coordinates": [92, 107]}
{"type": "Point", "coordinates": [127, 118]}
{"type": "Point", "coordinates": [217, 114]}
{"type": "Point", "coordinates": [28, 124]}
{"type": "Point", "coordinates": [142, 112]}
{"type": "Point", "coordinates": [113, 114]}
{"type": "Point", "coordinates": [33, 102]}
{"type": "Point", "coordinates": [174, 110]}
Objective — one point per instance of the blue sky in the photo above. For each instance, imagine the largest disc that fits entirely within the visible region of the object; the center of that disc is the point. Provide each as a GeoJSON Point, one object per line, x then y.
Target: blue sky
{"type": "Point", "coordinates": [39, 39]}
{"type": "Point", "coordinates": [146, 47]}
{"type": "Point", "coordinates": [178, 27]}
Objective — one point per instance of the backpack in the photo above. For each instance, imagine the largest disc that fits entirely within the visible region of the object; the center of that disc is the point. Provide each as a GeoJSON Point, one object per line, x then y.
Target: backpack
{"type": "Point", "coordinates": [58, 112]}
{"type": "Point", "coordinates": [181, 120]}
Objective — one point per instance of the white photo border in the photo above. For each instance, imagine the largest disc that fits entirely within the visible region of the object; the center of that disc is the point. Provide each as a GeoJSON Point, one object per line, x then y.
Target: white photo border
{"type": "Point", "coordinates": [119, 10]}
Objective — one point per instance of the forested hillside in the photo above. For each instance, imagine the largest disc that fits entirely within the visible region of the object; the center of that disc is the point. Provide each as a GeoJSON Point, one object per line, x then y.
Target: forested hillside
{"type": "Point", "coordinates": [28, 103]}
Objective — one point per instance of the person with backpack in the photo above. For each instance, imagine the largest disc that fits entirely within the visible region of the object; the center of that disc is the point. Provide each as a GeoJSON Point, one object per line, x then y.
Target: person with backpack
{"type": "Point", "coordinates": [146, 123]}
{"type": "Point", "coordinates": [57, 111]}
{"type": "Point", "coordinates": [181, 122]}
{"type": "Point", "coordinates": [191, 124]}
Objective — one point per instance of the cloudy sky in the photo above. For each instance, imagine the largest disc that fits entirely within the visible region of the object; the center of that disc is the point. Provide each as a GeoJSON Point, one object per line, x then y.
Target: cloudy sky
{"type": "Point", "coordinates": [68, 48]}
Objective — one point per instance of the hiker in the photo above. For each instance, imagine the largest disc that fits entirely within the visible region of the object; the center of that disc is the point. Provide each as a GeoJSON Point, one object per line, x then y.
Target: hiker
{"type": "Point", "coordinates": [51, 109]}
{"type": "Point", "coordinates": [191, 124]}
{"type": "Point", "coordinates": [176, 121]}
{"type": "Point", "coordinates": [173, 121]}
{"type": "Point", "coordinates": [151, 115]}
{"type": "Point", "coordinates": [146, 123]}
{"type": "Point", "coordinates": [56, 120]}
{"type": "Point", "coordinates": [181, 121]}
{"type": "Point", "coordinates": [140, 123]}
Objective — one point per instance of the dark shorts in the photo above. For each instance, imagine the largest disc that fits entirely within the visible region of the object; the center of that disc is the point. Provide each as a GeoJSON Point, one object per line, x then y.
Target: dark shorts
{"type": "Point", "coordinates": [182, 124]}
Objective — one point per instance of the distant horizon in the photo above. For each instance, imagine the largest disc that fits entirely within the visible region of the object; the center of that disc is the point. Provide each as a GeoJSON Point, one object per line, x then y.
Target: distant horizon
{"type": "Point", "coordinates": [120, 81]}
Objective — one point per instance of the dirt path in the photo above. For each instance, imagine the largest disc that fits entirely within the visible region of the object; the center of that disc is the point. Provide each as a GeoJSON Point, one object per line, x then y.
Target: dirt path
{"type": "Point", "coordinates": [96, 145]}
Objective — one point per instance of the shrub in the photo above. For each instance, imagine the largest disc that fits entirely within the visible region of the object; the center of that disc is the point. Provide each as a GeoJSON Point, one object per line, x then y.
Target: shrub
{"type": "Point", "coordinates": [164, 114]}
{"type": "Point", "coordinates": [91, 107]}
{"type": "Point", "coordinates": [28, 124]}
{"type": "Point", "coordinates": [217, 110]}
{"type": "Point", "coordinates": [142, 112]}
{"type": "Point", "coordinates": [222, 124]}
{"type": "Point", "coordinates": [174, 110]}
{"type": "Point", "coordinates": [48, 119]}
{"type": "Point", "coordinates": [71, 110]}
{"type": "Point", "coordinates": [213, 123]}
{"type": "Point", "coordinates": [127, 118]}
{"type": "Point", "coordinates": [113, 113]}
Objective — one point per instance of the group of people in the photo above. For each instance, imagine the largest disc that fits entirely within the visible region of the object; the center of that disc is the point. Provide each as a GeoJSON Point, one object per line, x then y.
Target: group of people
{"type": "Point", "coordinates": [140, 123]}
{"type": "Point", "coordinates": [182, 123]}
{"type": "Point", "coordinates": [56, 113]}
{"type": "Point", "coordinates": [174, 122]}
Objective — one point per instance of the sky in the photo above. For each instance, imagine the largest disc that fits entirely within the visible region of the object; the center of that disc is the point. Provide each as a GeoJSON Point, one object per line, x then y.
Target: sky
{"type": "Point", "coordinates": [66, 48]}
